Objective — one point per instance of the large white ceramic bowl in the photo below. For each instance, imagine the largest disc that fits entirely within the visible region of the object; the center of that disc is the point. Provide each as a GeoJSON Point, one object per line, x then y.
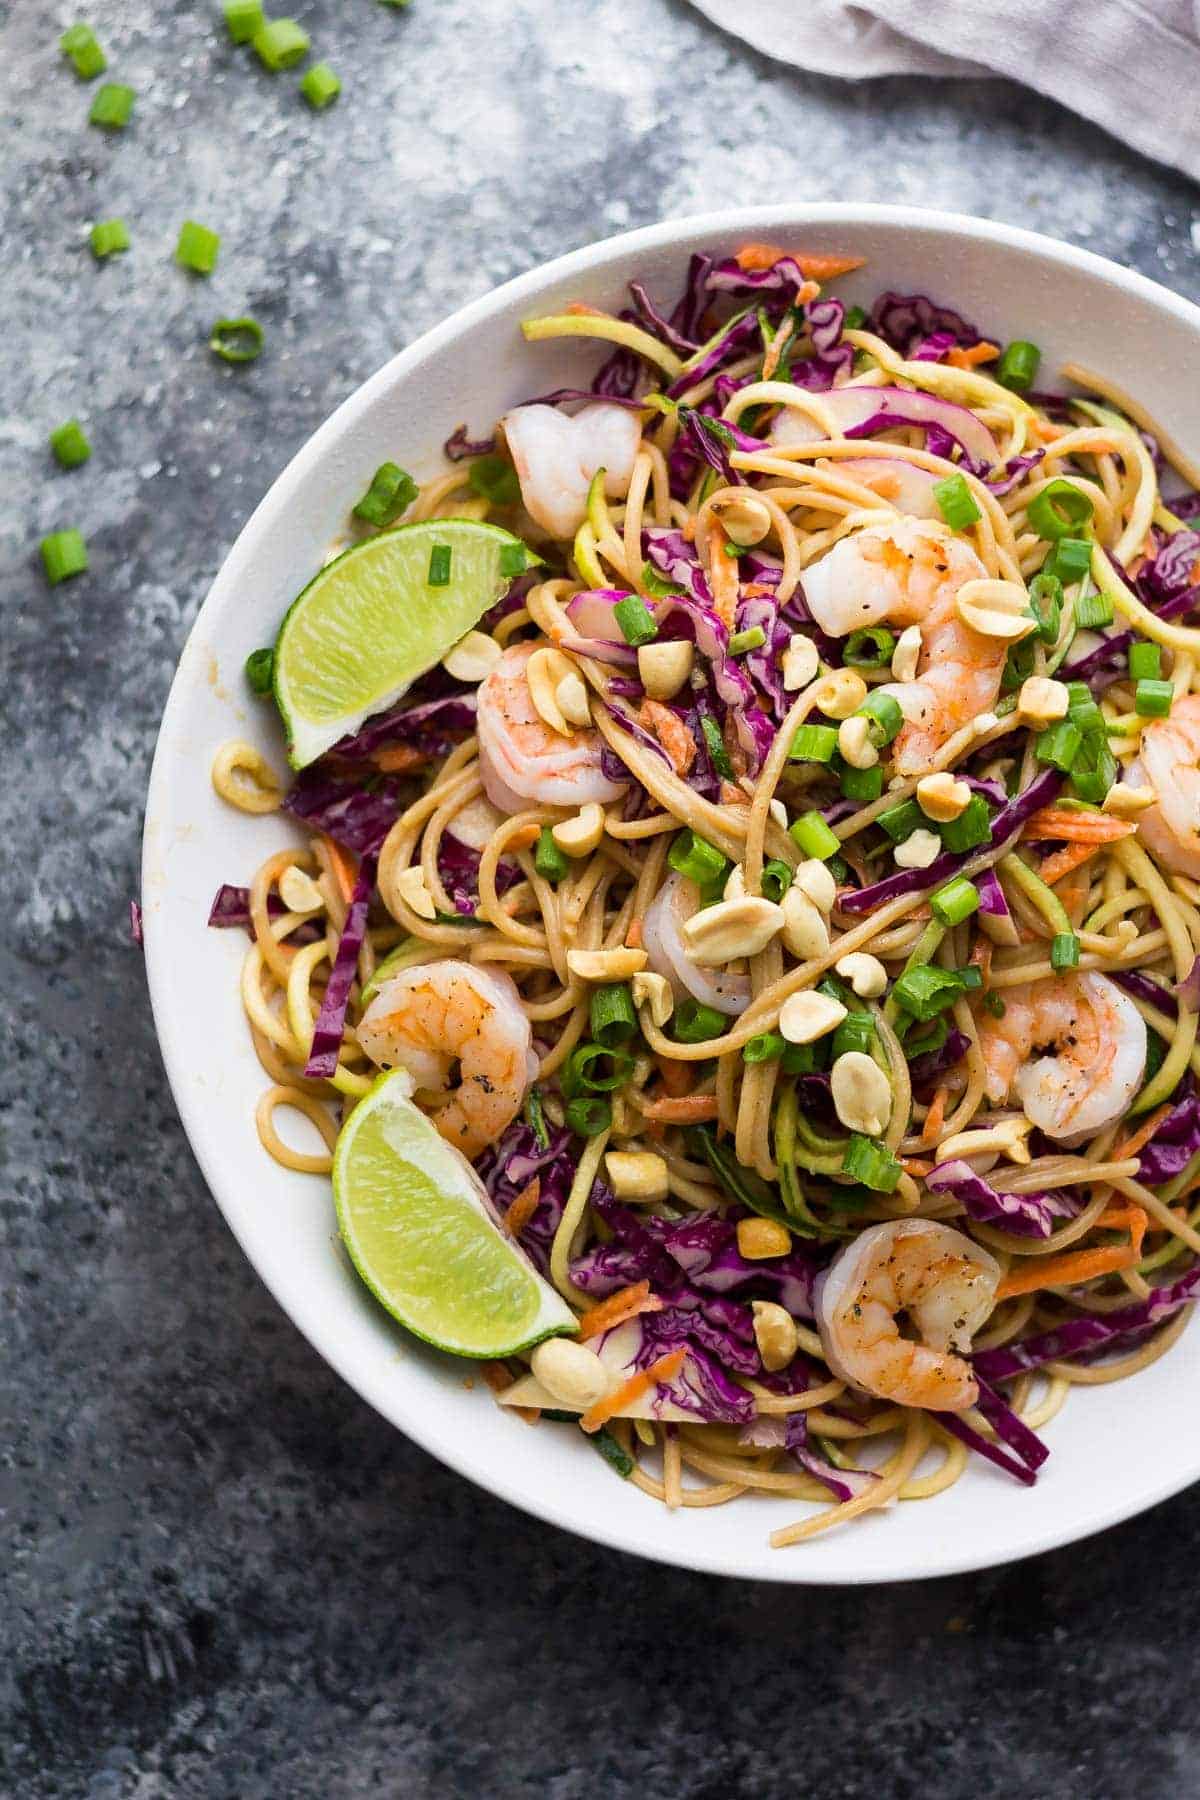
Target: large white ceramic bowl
{"type": "Point", "coordinates": [1115, 1449]}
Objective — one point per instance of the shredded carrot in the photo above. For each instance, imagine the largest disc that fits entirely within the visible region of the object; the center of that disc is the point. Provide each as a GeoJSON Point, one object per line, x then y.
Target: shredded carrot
{"type": "Point", "coordinates": [671, 733]}
{"type": "Point", "coordinates": [626, 1303]}
{"type": "Point", "coordinates": [1077, 827]}
{"type": "Point", "coordinates": [688, 527]}
{"type": "Point", "coordinates": [722, 577]}
{"type": "Point", "coordinates": [757, 590]}
{"type": "Point", "coordinates": [497, 1376]}
{"type": "Point", "coordinates": [398, 759]}
{"type": "Point", "coordinates": [677, 1077]}
{"type": "Point", "coordinates": [912, 1165]}
{"type": "Point", "coordinates": [1044, 429]}
{"type": "Point", "coordinates": [981, 956]}
{"type": "Point", "coordinates": [973, 355]}
{"type": "Point", "coordinates": [524, 838]}
{"type": "Point", "coordinates": [1065, 861]}
{"type": "Point", "coordinates": [342, 867]}
{"type": "Point", "coordinates": [817, 267]}
{"type": "Point", "coordinates": [935, 1117]}
{"type": "Point", "coordinates": [633, 937]}
{"type": "Point", "coordinates": [1082, 1265]}
{"type": "Point", "coordinates": [1137, 1140]}
{"type": "Point", "coordinates": [665, 1369]}
{"type": "Point", "coordinates": [581, 306]}
{"type": "Point", "coordinates": [733, 795]}
{"type": "Point", "coordinates": [683, 1109]}
{"type": "Point", "coordinates": [523, 1207]}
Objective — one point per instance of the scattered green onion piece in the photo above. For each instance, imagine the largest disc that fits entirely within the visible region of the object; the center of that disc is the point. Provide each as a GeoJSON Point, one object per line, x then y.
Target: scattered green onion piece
{"type": "Point", "coordinates": [955, 902]}
{"type": "Point", "coordinates": [1059, 744]}
{"type": "Point", "coordinates": [856, 1032]}
{"type": "Point", "coordinates": [805, 1059]}
{"type": "Point", "coordinates": [776, 880]}
{"type": "Point", "coordinates": [971, 977]}
{"type": "Point", "coordinates": [993, 1003]}
{"type": "Point", "coordinates": [1145, 662]}
{"type": "Point", "coordinates": [972, 827]}
{"type": "Point", "coordinates": [1070, 560]}
{"type": "Point", "coordinates": [855, 319]}
{"type": "Point", "coordinates": [107, 237]}
{"type": "Point", "coordinates": [926, 1041]}
{"type": "Point", "coordinates": [813, 743]}
{"type": "Point", "coordinates": [834, 988]}
{"type": "Point", "coordinates": [243, 20]}
{"type": "Point", "coordinates": [1018, 666]}
{"type": "Point", "coordinates": [78, 44]}
{"type": "Point", "coordinates": [612, 1014]}
{"type": "Point", "coordinates": [392, 492]}
{"type": "Point", "coordinates": [64, 554]}
{"type": "Point", "coordinates": [695, 1023]}
{"type": "Point", "coordinates": [280, 44]}
{"type": "Point", "coordinates": [588, 1116]}
{"type": "Point", "coordinates": [197, 248]}
{"type": "Point", "coordinates": [656, 584]}
{"type": "Point", "coordinates": [698, 860]}
{"type": "Point", "coordinates": [1059, 509]}
{"type": "Point", "coordinates": [236, 340]}
{"type": "Point", "coordinates": [69, 444]}
{"type": "Point", "coordinates": [1152, 699]}
{"type": "Point", "coordinates": [260, 670]}
{"type": "Point", "coordinates": [901, 821]}
{"type": "Point", "coordinates": [861, 784]}
{"type": "Point", "coordinates": [839, 868]}
{"type": "Point", "coordinates": [812, 835]}
{"type": "Point", "coordinates": [1045, 600]}
{"type": "Point", "coordinates": [495, 479]}
{"type": "Point", "coordinates": [926, 990]}
{"type": "Point", "coordinates": [956, 502]}
{"type": "Point", "coordinates": [439, 566]}
{"type": "Point", "coordinates": [1093, 611]}
{"type": "Point", "coordinates": [884, 718]}
{"type": "Point", "coordinates": [871, 647]}
{"type": "Point", "coordinates": [514, 559]}
{"type": "Point", "coordinates": [550, 862]}
{"type": "Point", "coordinates": [603, 1440]}
{"type": "Point", "coordinates": [1064, 951]}
{"type": "Point", "coordinates": [635, 621]}
{"type": "Point", "coordinates": [596, 1069]}
{"type": "Point", "coordinates": [320, 86]}
{"type": "Point", "coordinates": [535, 1117]}
{"type": "Point", "coordinates": [872, 1164]}
{"type": "Point", "coordinates": [764, 1048]}
{"type": "Point", "coordinates": [1018, 367]}
{"type": "Point", "coordinates": [752, 639]}
{"type": "Point", "coordinates": [734, 550]}
{"type": "Point", "coordinates": [113, 106]}
{"type": "Point", "coordinates": [715, 744]}
{"type": "Point", "coordinates": [1094, 770]}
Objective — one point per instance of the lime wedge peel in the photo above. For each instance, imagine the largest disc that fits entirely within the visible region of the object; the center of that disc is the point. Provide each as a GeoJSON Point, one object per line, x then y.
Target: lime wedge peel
{"type": "Point", "coordinates": [414, 1218]}
{"type": "Point", "coordinates": [369, 624]}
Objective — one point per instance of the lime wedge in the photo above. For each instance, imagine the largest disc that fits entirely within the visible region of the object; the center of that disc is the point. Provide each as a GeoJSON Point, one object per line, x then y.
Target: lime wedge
{"type": "Point", "coordinates": [414, 1217]}
{"type": "Point", "coordinates": [370, 623]}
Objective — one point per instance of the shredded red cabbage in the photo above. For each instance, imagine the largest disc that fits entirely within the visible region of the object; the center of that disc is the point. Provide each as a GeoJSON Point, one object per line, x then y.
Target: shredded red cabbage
{"type": "Point", "coordinates": [1024, 1215]}
{"type": "Point", "coordinates": [1089, 1333]}
{"type": "Point", "coordinates": [930, 1067]}
{"type": "Point", "coordinates": [135, 922]}
{"type": "Point", "coordinates": [906, 321]}
{"type": "Point", "coordinates": [353, 813]}
{"type": "Point", "coordinates": [458, 446]}
{"type": "Point", "coordinates": [509, 1166]}
{"type": "Point", "coordinates": [331, 1020]}
{"type": "Point", "coordinates": [843, 1484]}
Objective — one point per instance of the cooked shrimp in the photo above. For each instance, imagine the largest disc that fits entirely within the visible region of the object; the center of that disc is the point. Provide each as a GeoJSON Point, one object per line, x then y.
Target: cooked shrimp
{"type": "Point", "coordinates": [521, 759]}
{"type": "Point", "coordinates": [910, 1270]}
{"type": "Point", "coordinates": [1170, 763]}
{"type": "Point", "coordinates": [908, 572]}
{"type": "Point", "coordinates": [440, 1016]}
{"type": "Point", "coordinates": [556, 457]}
{"type": "Point", "coordinates": [1088, 1045]}
{"type": "Point", "coordinates": [677, 899]}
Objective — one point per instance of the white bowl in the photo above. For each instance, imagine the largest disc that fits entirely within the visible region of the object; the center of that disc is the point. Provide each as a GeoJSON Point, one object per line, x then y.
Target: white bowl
{"type": "Point", "coordinates": [1115, 1450]}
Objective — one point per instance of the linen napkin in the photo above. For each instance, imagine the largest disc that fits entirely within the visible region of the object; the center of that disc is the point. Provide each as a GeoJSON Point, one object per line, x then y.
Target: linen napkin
{"type": "Point", "coordinates": [1131, 65]}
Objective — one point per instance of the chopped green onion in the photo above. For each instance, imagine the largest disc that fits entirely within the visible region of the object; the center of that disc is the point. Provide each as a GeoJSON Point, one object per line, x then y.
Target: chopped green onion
{"type": "Point", "coordinates": [588, 1116]}
{"type": "Point", "coordinates": [197, 248]}
{"type": "Point", "coordinates": [78, 43]}
{"type": "Point", "coordinates": [871, 647]}
{"type": "Point", "coordinates": [113, 106]}
{"type": "Point", "coordinates": [805, 1059]}
{"type": "Point", "coordinates": [596, 1069]}
{"type": "Point", "coordinates": [926, 990]}
{"type": "Point", "coordinates": [495, 479]}
{"type": "Point", "coordinates": [635, 621]}
{"type": "Point", "coordinates": [439, 566]}
{"type": "Point", "coordinates": [901, 821]}
{"type": "Point", "coordinates": [955, 902]}
{"type": "Point", "coordinates": [550, 862]}
{"type": "Point", "coordinates": [281, 43]}
{"type": "Point", "coordinates": [1045, 601]}
{"type": "Point", "coordinates": [1018, 666]}
{"type": "Point", "coordinates": [813, 743]}
{"type": "Point", "coordinates": [994, 1004]}
{"type": "Point", "coordinates": [514, 559]}
{"type": "Point", "coordinates": [884, 717]}
{"type": "Point", "coordinates": [236, 340]}
{"type": "Point", "coordinates": [1018, 367]}
{"type": "Point", "coordinates": [392, 492]}
{"type": "Point", "coordinates": [64, 554]}
{"type": "Point", "coordinates": [1093, 611]}
{"type": "Point", "coordinates": [657, 584]}
{"type": "Point", "coordinates": [612, 1014]}
{"type": "Point", "coordinates": [603, 1440]}
{"type": "Point", "coordinates": [1070, 560]}
{"type": "Point", "coordinates": [839, 868]}
{"type": "Point", "coordinates": [1152, 699]}
{"type": "Point", "coordinates": [956, 503]}
{"type": "Point", "coordinates": [698, 860]}
{"type": "Point", "coordinates": [1145, 662]}
{"type": "Point", "coordinates": [971, 976]}
{"type": "Point", "coordinates": [715, 745]}
{"type": "Point", "coordinates": [861, 784]}
{"type": "Point", "coordinates": [752, 639]}
{"type": "Point", "coordinates": [924, 1043]}
{"type": "Point", "coordinates": [813, 836]}
{"type": "Point", "coordinates": [776, 880]}
{"type": "Point", "coordinates": [834, 988]}
{"type": "Point", "coordinates": [1059, 744]}
{"type": "Point", "coordinates": [856, 1032]}
{"type": "Point", "coordinates": [764, 1048]}
{"type": "Point", "coordinates": [107, 237]}
{"type": "Point", "coordinates": [1064, 951]}
{"type": "Point", "coordinates": [855, 319]}
{"type": "Point", "coordinates": [320, 86]}
{"type": "Point", "coordinates": [695, 1023]}
{"type": "Point", "coordinates": [872, 1164]}
{"type": "Point", "coordinates": [535, 1117]}
{"type": "Point", "coordinates": [260, 670]}
{"type": "Point", "coordinates": [1058, 509]}
{"type": "Point", "coordinates": [243, 19]}
{"type": "Point", "coordinates": [69, 444]}
{"type": "Point", "coordinates": [972, 827]}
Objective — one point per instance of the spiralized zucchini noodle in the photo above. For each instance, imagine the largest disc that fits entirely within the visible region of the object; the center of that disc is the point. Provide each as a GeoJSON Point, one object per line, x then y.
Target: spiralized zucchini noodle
{"type": "Point", "coordinates": [788, 896]}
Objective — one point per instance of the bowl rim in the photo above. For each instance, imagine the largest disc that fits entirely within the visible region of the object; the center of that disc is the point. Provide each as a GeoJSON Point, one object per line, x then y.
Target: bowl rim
{"type": "Point", "coordinates": [783, 217]}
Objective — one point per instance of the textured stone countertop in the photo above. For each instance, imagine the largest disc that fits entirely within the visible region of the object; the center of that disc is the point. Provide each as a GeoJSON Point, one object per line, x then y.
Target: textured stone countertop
{"type": "Point", "coordinates": [222, 1577]}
